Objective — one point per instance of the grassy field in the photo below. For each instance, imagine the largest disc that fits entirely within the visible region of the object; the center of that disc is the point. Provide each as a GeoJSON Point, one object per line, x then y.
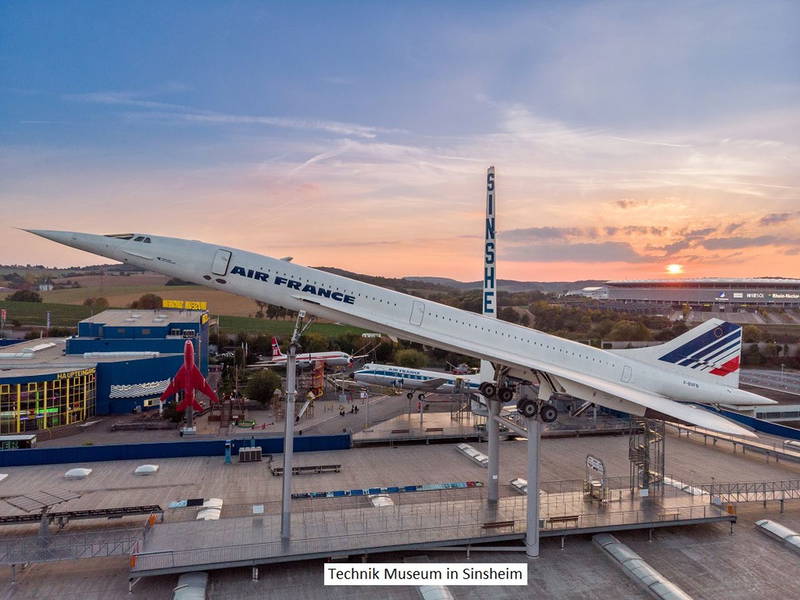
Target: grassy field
{"type": "Point", "coordinates": [120, 296]}
{"type": "Point", "coordinates": [35, 313]}
{"type": "Point", "coordinates": [280, 328]}
{"type": "Point", "coordinates": [68, 315]}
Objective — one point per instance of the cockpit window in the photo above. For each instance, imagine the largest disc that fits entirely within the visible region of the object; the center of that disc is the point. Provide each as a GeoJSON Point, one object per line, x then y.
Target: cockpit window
{"type": "Point", "coordinates": [120, 236]}
{"type": "Point", "coordinates": [147, 240]}
{"type": "Point", "coordinates": [139, 238]}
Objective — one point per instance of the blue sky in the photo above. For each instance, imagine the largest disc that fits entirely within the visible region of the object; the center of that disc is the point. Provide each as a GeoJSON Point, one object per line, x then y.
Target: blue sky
{"type": "Point", "coordinates": [357, 134]}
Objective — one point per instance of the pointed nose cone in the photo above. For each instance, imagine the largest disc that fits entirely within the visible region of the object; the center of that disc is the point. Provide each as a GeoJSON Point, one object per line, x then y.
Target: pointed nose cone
{"type": "Point", "coordinates": [62, 237]}
{"type": "Point", "coordinates": [188, 353]}
{"type": "Point", "coordinates": [90, 242]}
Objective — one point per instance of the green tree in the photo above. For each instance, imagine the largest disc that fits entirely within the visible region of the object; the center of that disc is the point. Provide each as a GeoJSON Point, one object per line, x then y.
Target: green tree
{"type": "Point", "coordinates": [313, 342]}
{"type": "Point", "coordinates": [410, 358]}
{"type": "Point", "coordinates": [60, 332]}
{"type": "Point", "coordinates": [24, 296]}
{"type": "Point", "coordinates": [147, 302]}
{"type": "Point", "coordinates": [752, 357]}
{"type": "Point", "coordinates": [96, 304]}
{"type": "Point", "coordinates": [751, 333]}
{"type": "Point", "coordinates": [629, 331]}
{"type": "Point", "coordinates": [261, 386]}
{"type": "Point", "coordinates": [508, 314]}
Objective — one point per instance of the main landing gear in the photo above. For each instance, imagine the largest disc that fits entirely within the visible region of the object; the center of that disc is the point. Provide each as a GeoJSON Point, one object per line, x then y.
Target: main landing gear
{"type": "Point", "coordinates": [490, 390]}
{"type": "Point", "coordinates": [529, 408]}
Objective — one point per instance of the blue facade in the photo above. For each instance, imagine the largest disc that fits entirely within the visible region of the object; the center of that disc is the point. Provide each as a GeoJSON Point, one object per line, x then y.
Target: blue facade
{"type": "Point", "coordinates": [83, 454]}
{"type": "Point", "coordinates": [107, 333]}
{"type": "Point", "coordinates": [167, 338]}
{"type": "Point", "coordinates": [97, 335]}
{"type": "Point", "coordinates": [128, 372]}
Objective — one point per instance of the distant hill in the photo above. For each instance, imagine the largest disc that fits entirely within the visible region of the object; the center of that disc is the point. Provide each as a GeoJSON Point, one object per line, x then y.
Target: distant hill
{"type": "Point", "coordinates": [510, 285]}
{"type": "Point", "coordinates": [15, 274]}
{"type": "Point", "coordinates": [400, 284]}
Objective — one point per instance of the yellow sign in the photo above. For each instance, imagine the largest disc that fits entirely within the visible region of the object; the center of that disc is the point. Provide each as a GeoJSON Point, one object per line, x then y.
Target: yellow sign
{"type": "Point", "coordinates": [204, 319]}
{"type": "Point", "coordinates": [75, 374]}
{"type": "Point", "coordinates": [185, 305]}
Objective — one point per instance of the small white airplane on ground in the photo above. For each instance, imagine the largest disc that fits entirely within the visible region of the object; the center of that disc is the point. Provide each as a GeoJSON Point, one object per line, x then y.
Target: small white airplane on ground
{"type": "Point", "coordinates": [700, 366]}
{"type": "Point", "coordinates": [333, 358]}
{"type": "Point", "coordinates": [416, 380]}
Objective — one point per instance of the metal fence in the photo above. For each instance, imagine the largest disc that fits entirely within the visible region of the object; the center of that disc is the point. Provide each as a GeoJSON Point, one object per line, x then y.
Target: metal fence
{"type": "Point", "coordinates": [68, 546]}
{"type": "Point", "coordinates": [752, 491]}
{"type": "Point", "coordinates": [554, 491]}
{"type": "Point", "coordinates": [390, 526]}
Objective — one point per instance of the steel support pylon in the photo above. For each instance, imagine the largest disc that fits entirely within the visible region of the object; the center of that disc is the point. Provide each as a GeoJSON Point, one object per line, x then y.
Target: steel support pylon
{"type": "Point", "coordinates": [532, 534]}
{"type": "Point", "coordinates": [288, 444]}
{"type": "Point", "coordinates": [493, 430]}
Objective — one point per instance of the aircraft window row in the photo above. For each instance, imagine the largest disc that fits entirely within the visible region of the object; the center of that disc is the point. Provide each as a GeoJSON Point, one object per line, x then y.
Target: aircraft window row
{"type": "Point", "coordinates": [528, 341]}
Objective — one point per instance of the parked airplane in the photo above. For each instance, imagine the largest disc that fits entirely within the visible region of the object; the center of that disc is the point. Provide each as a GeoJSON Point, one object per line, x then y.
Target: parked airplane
{"type": "Point", "coordinates": [416, 380]}
{"type": "Point", "coordinates": [695, 367]}
{"type": "Point", "coordinates": [332, 358]}
{"type": "Point", "coordinates": [187, 380]}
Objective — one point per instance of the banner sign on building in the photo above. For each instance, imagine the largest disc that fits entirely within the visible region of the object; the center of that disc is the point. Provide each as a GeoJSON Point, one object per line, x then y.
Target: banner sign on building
{"type": "Point", "coordinates": [69, 374]}
{"type": "Point", "coordinates": [185, 304]}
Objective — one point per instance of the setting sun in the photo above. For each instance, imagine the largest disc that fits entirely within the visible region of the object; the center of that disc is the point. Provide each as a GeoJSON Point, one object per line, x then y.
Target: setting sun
{"type": "Point", "coordinates": [674, 269]}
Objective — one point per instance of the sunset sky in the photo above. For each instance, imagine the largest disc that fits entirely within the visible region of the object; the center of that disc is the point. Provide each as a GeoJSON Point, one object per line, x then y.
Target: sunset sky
{"type": "Point", "coordinates": [627, 136]}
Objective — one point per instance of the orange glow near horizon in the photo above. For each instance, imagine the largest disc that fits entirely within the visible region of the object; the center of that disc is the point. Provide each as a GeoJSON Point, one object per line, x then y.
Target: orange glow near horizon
{"type": "Point", "coordinates": [674, 269]}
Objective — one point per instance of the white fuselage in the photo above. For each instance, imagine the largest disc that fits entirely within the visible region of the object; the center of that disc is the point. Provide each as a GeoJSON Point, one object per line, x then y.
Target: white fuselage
{"type": "Point", "coordinates": [331, 359]}
{"type": "Point", "coordinates": [338, 298]}
{"type": "Point", "coordinates": [412, 379]}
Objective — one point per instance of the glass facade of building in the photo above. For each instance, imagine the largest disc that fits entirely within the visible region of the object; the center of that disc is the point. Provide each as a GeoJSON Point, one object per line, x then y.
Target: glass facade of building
{"type": "Point", "coordinates": [49, 401]}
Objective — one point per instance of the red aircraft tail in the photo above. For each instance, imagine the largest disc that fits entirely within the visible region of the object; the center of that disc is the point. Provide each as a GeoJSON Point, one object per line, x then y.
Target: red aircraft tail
{"type": "Point", "coordinates": [276, 349]}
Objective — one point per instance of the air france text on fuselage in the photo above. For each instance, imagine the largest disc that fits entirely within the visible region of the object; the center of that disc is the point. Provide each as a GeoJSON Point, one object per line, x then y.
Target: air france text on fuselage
{"type": "Point", "coordinates": [293, 284]}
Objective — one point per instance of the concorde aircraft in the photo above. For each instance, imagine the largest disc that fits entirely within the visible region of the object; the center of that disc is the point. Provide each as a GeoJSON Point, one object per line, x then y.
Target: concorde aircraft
{"type": "Point", "coordinates": [700, 366]}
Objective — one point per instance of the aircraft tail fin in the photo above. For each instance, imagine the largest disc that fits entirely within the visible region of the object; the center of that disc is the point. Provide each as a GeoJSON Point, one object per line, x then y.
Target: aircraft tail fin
{"type": "Point", "coordinates": [276, 349]}
{"type": "Point", "coordinates": [710, 351]}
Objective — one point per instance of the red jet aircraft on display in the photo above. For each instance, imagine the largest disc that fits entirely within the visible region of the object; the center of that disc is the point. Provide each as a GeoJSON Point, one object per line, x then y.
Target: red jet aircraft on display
{"type": "Point", "coordinates": [188, 379]}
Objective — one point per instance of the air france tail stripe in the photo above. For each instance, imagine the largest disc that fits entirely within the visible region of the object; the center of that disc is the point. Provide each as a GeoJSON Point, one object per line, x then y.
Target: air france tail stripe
{"type": "Point", "coordinates": [710, 347]}
{"type": "Point", "coordinates": [705, 352]}
{"type": "Point", "coordinates": [727, 368]}
{"type": "Point", "coordinates": [708, 364]}
{"type": "Point", "coordinates": [704, 364]}
{"type": "Point", "coordinates": [714, 356]}
{"type": "Point", "coordinates": [723, 360]}
{"type": "Point", "coordinates": [700, 343]}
